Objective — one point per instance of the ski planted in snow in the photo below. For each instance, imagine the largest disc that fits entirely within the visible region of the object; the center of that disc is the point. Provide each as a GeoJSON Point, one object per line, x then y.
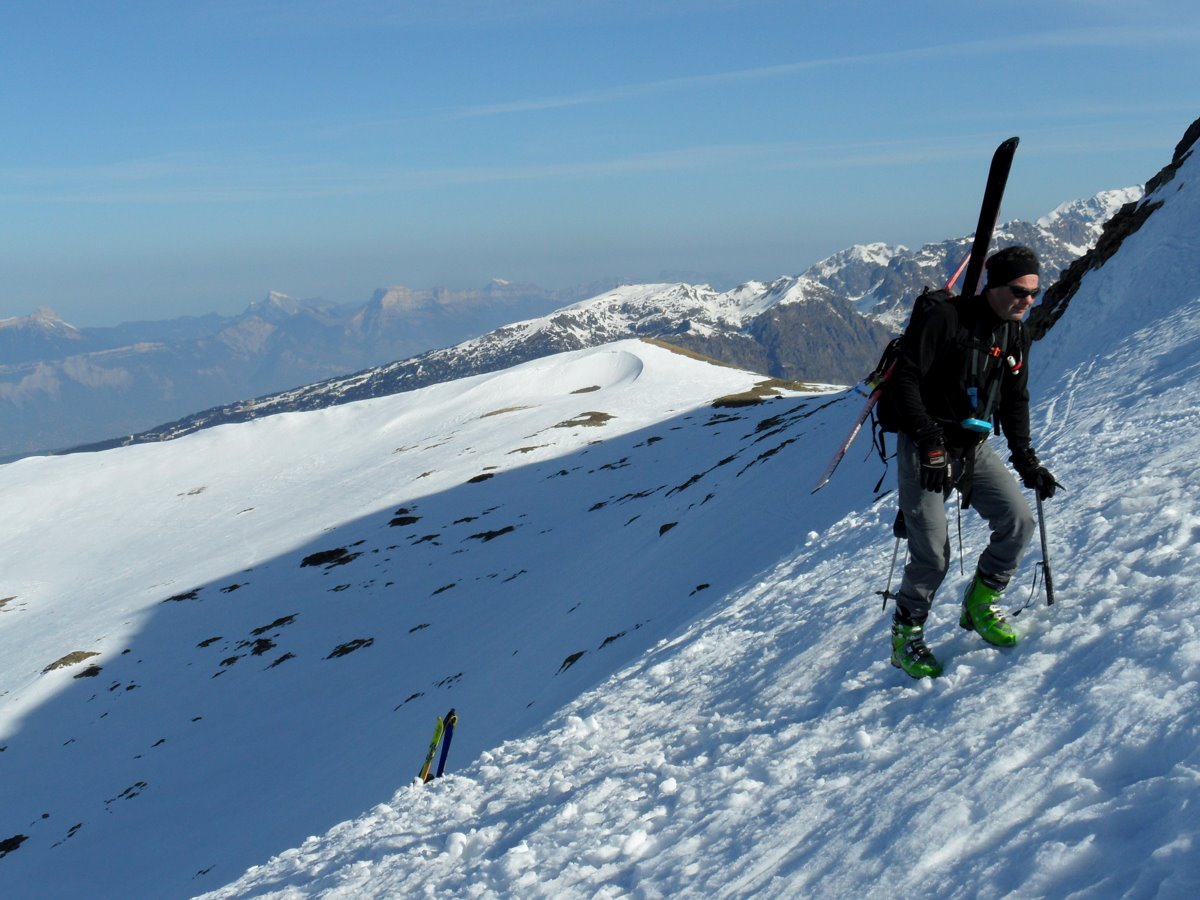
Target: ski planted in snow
{"type": "Point", "coordinates": [438, 730]}
{"type": "Point", "coordinates": [447, 736]}
{"type": "Point", "coordinates": [989, 214]}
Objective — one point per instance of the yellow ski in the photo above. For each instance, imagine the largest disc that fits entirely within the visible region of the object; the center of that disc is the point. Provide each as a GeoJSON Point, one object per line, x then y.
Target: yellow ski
{"type": "Point", "coordinates": [433, 747]}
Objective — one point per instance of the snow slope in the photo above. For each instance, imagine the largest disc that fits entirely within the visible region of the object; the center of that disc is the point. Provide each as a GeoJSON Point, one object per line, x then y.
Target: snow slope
{"type": "Point", "coordinates": [279, 609]}
{"type": "Point", "coordinates": [767, 748]}
{"type": "Point", "coordinates": [668, 658]}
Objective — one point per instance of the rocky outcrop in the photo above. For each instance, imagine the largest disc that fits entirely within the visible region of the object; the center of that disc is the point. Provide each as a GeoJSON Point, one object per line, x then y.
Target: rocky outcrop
{"type": "Point", "coordinates": [1131, 217]}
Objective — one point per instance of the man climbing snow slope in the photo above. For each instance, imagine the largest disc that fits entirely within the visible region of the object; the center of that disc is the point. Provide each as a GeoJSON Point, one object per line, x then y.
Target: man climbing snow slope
{"type": "Point", "coordinates": [961, 375]}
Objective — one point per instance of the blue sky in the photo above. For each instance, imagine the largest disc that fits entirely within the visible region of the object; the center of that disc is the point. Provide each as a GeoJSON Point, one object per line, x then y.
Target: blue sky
{"type": "Point", "coordinates": [162, 159]}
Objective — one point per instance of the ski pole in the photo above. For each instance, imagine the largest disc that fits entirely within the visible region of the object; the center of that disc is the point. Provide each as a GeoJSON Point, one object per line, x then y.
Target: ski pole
{"type": "Point", "coordinates": [900, 530]}
{"type": "Point", "coordinates": [1045, 554]}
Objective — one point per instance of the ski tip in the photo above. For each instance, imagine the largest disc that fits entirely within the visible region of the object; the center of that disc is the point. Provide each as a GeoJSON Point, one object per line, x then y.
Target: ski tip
{"type": "Point", "coordinates": [1005, 152]}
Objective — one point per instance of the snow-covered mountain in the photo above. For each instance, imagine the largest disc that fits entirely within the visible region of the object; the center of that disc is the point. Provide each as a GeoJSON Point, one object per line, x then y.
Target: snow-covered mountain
{"type": "Point", "coordinates": [62, 386]}
{"type": "Point", "coordinates": [882, 279]}
{"type": "Point", "coordinates": [34, 336]}
{"type": "Point", "coordinates": [748, 325]}
{"type": "Point", "coordinates": [827, 325]}
{"type": "Point", "coordinates": [668, 658]}
{"type": "Point", "coordinates": [1078, 223]}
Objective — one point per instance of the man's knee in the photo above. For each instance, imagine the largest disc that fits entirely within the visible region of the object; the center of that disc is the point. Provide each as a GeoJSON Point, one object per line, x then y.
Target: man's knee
{"type": "Point", "coordinates": [1024, 525]}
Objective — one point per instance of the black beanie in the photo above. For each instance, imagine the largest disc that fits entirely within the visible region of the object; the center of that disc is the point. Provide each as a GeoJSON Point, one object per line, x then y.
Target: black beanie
{"type": "Point", "coordinates": [1009, 264]}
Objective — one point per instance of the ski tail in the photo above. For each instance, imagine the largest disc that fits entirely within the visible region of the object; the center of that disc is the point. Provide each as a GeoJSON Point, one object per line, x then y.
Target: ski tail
{"type": "Point", "coordinates": [451, 720]}
{"type": "Point", "coordinates": [844, 446]}
{"type": "Point", "coordinates": [957, 272]}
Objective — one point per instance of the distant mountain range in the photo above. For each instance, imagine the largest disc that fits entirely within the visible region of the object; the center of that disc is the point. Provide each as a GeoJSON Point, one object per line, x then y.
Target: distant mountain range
{"type": "Point", "coordinates": [64, 386]}
{"type": "Point", "coordinates": [61, 385]}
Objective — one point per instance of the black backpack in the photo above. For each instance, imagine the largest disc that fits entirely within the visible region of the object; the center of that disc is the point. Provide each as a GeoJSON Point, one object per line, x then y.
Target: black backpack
{"type": "Point", "coordinates": [886, 415]}
{"type": "Point", "coordinates": [984, 376]}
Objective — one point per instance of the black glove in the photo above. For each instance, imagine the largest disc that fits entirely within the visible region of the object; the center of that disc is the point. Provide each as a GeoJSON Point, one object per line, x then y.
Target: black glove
{"type": "Point", "coordinates": [935, 468]}
{"type": "Point", "coordinates": [1034, 475]}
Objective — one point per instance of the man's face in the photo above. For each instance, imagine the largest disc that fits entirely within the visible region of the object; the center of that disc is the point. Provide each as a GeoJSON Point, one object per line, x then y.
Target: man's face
{"type": "Point", "coordinates": [1013, 300]}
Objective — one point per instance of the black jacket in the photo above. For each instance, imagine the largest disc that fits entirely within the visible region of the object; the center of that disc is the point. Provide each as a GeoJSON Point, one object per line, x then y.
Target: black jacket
{"type": "Point", "coordinates": [928, 392]}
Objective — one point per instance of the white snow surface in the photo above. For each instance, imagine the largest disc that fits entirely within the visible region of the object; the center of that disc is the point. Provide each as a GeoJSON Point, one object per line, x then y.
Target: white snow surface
{"type": "Point", "coordinates": [730, 727]}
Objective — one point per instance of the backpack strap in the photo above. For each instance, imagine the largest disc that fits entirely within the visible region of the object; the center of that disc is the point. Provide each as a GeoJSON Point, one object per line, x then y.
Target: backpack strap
{"type": "Point", "coordinates": [879, 441]}
{"type": "Point", "coordinates": [987, 372]}
{"type": "Point", "coordinates": [996, 373]}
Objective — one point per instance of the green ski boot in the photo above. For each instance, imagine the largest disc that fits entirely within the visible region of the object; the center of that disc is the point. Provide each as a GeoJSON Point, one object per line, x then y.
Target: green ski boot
{"type": "Point", "coordinates": [979, 613]}
{"type": "Point", "coordinates": [910, 653]}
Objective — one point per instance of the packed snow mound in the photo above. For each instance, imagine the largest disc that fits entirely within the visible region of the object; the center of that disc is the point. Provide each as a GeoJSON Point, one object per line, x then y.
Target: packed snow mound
{"type": "Point", "coordinates": [602, 369]}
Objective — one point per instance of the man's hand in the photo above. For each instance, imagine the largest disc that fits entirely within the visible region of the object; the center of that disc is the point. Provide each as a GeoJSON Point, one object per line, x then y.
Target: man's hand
{"type": "Point", "coordinates": [935, 468]}
{"type": "Point", "coordinates": [1034, 475]}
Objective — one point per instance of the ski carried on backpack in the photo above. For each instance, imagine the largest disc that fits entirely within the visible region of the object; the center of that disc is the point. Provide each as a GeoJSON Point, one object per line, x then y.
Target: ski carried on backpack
{"type": "Point", "coordinates": [989, 213]}
{"type": "Point", "coordinates": [871, 387]}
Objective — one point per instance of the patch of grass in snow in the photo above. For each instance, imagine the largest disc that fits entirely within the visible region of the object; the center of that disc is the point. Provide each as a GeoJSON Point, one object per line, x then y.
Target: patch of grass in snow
{"type": "Point", "coordinates": [587, 420]}
{"type": "Point", "coordinates": [760, 393]}
{"type": "Point", "coordinates": [70, 659]}
{"type": "Point", "coordinates": [503, 410]}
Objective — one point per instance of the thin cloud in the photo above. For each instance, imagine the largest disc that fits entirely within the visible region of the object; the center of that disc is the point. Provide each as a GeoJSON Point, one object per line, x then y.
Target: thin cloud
{"type": "Point", "coordinates": [202, 179]}
{"type": "Point", "coordinates": [1077, 38]}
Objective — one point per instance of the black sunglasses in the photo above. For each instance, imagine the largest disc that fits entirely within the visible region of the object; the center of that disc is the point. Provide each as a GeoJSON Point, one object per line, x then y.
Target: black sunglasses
{"type": "Point", "coordinates": [1021, 292]}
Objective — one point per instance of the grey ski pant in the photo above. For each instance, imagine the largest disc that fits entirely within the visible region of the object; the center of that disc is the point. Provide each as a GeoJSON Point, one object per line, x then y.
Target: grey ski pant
{"type": "Point", "coordinates": [996, 496]}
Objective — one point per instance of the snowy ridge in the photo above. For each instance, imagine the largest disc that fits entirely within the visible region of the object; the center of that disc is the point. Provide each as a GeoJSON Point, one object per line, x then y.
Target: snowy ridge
{"type": "Point", "coordinates": [644, 308]}
{"type": "Point", "coordinates": [638, 310]}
